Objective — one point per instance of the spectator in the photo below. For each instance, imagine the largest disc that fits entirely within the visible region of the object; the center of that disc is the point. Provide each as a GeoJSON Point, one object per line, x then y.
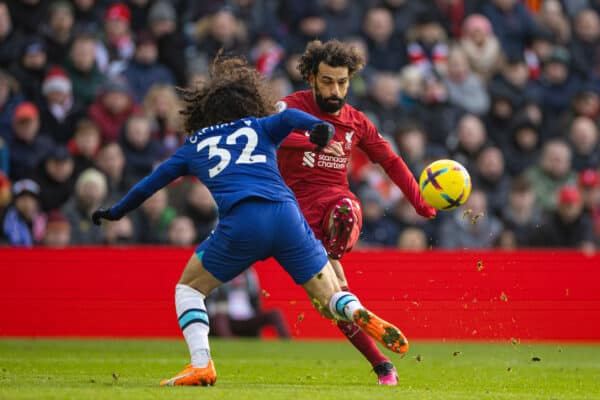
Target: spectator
{"type": "Point", "coordinates": [139, 14]}
{"type": "Point", "coordinates": [27, 147]}
{"type": "Point", "coordinates": [468, 140]}
{"type": "Point", "coordinates": [10, 38]}
{"type": "Point", "coordinates": [490, 176]}
{"type": "Point", "coordinates": [501, 116]}
{"type": "Point", "coordinates": [512, 23]}
{"type": "Point", "coordinates": [522, 149]}
{"type": "Point", "coordinates": [28, 15]}
{"type": "Point", "coordinates": [404, 13]}
{"type": "Point", "coordinates": [514, 83]}
{"type": "Point", "coordinates": [9, 98]}
{"type": "Point", "coordinates": [83, 69]}
{"type": "Point", "coordinates": [586, 103]}
{"type": "Point", "coordinates": [566, 226]}
{"type": "Point", "coordinates": [30, 69]}
{"type": "Point", "coordinates": [60, 111]}
{"type": "Point", "coordinates": [87, 15]}
{"type": "Point", "coordinates": [58, 230]}
{"type": "Point", "coordinates": [90, 194]}
{"type": "Point", "coordinates": [412, 87]}
{"type": "Point", "coordinates": [192, 199]}
{"type": "Point", "coordinates": [308, 24]}
{"type": "Point", "coordinates": [584, 46]}
{"type": "Point", "coordinates": [405, 216]}
{"type": "Point", "coordinates": [118, 38]}
{"type": "Point", "coordinates": [58, 32]}
{"type": "Point", "coordinates": [552, 172]}
{"type": "Point", "coordinates": [5, 193]}
{"type": "Point", "coordinates": [588, 183]}
{"type": "Point", "coordinates": [411, 141]}
{"type": "Point", "coordinates": [161, 106]}
{"type": "Point", "coordinates": [181, 232]}
{"type": "Point", "coordinates": [111, 162]}
{"type": "Point", "coordinates": [220, 30]}
{"type": "Point", "coordinates": [153, 219]}
{"type": "Point", "coordinates": [377, 230]}
{"type": "Point", "coordinates": [382, 105]}
{"type": "Point", "coordinates": [557, 86]}
{"type": "Point", "coordinates": [340, 18]}
{"type": "Point", "coordinates": [465, 88]}
{"type": "Point", "coordinates": [552, 17]}
{"type": "Point", "coordinates": [438, 115]}
{"type": "Point", "coordinates": [162, 23]}
{"type": "Point", "coordinates": [23, 224]}
{"type": "Point", "coordinates": [234, 309]}
{"type": "Point", "coordinates": [55, 178]}
{"type": "Point", "coordinates": [427, 44]}
{"type": "Point", "coordinates": [412, 239]}
{"type": "Point", "coordinates": [141, 152]}
{"type": "Point", "coordinates": [119, 232]}
{"type": "Point", "coordinates": [521, 214]}
{"type": "Point", "coordinates": [144, 71]}
{"type": "Point", "coordinates": [481, 47]}
{"type": "Point", "coordinates": [386, 50]}
{"type": "Point", "coordinates": [112, 108]}
{"type": "Point", "coordinates": [585, 144]}
{"type": "Point", "coordinates": [476, 229]}
{"type": "Point", "coordinates": [84, 145]}
{"type": "Point", "coordinates": [266, 54]}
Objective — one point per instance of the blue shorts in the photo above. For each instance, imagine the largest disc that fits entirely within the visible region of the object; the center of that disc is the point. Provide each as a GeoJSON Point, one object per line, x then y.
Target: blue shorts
{"type": "Point", "coordinates": [257, 229]}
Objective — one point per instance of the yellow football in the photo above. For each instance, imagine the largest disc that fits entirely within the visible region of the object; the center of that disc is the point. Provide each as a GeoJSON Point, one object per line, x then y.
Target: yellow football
{"type": "Point", "coordinates": [445, 184]}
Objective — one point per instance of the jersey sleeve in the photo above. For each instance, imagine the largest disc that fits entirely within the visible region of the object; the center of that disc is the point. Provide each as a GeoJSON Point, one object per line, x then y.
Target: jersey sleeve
{"type": "Point", "coordinates": [379, 151]}
{"type": "Point", "coordinates": [166, 172]}
{"type": "Point", "coordinates": [279, 125]}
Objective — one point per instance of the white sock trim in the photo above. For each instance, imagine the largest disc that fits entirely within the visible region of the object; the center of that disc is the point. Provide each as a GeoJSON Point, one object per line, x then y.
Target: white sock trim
{"type": "Point", "coordinates": [193, 321]}
{"type": "Point", "coordinates": [343, 305]}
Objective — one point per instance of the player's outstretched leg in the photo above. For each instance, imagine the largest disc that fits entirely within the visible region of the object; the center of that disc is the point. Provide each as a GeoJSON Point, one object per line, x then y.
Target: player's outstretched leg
{"type": "Point", "coordinates": [347, 306]}
{"type": "Point", "coordinates": [193, 321]}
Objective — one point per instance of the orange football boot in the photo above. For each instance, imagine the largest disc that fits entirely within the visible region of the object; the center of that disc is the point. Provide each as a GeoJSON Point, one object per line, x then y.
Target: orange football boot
{"type": "Point", "coordinates": [193, 376]}
{"type": "Point", "coordinates": [380, 330]}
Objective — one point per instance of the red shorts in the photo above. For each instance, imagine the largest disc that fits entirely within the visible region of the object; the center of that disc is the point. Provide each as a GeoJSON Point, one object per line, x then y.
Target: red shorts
{"type": "Point", "coordinates": [317, 209]}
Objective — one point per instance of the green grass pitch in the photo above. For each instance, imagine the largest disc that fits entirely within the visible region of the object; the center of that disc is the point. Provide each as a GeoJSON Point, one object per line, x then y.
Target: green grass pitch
{"type": "Point", "coordinates": [257, 370]}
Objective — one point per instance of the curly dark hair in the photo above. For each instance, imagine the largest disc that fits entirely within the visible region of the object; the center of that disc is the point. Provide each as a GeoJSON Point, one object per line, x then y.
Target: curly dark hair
{"type": "Point", "coordinates": [234, 90]}
{"type": "Point", "coordinates": [333, 53]}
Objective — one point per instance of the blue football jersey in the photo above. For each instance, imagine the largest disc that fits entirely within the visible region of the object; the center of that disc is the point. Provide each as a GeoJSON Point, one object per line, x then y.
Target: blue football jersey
{"type": "Point", "coordinates": [234, 160]}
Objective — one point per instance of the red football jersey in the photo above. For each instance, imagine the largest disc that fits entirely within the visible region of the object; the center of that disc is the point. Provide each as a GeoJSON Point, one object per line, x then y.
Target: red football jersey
{"type": "Point", "coordinates": [308, 173]}
{"type": "Point", "coordinates": [304, 170]}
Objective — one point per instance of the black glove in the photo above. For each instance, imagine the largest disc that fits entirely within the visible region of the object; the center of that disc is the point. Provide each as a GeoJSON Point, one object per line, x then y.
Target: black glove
{"type": "Point", "coordinates": [102, 213]}
{"type": "Point", "coordinates": [321, 134]}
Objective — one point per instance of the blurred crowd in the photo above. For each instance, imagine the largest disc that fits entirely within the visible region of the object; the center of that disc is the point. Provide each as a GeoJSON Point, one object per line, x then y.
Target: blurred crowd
{"type": "Point", "coordinates": [511, 89]}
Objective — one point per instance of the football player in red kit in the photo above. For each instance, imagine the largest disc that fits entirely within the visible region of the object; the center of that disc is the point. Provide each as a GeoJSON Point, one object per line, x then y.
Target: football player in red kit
{"type": "Point", "coordinates": [335, 213]}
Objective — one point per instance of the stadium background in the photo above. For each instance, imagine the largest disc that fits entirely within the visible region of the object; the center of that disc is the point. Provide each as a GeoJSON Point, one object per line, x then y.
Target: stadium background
{"type": "Point", "coordinates": [512, 94]}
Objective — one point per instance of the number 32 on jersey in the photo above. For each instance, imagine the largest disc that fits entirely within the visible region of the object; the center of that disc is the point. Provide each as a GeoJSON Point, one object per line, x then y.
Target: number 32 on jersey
{"type": "Point", "coordinates": [247, 156]}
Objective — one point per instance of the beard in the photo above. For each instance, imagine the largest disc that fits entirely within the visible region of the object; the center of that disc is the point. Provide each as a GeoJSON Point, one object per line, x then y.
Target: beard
{"type": "Point", "coordinates": [330, 104]}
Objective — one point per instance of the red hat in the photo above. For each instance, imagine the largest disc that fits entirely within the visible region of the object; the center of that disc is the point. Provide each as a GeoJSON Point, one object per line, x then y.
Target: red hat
{"type": "Point", "coordinates": [56, 80]}
{"type": "Point", "coordinates": [569, 195]}
{"type": "Point", "coordinates": [118, 11]}
{"type": "Point", "coordinates": [26, 110]}
{"type": "Point", "coordinates": [589, 178]}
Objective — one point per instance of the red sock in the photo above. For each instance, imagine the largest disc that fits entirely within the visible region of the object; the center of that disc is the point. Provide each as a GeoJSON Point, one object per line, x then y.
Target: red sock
{"type": "Point", "coordinates": [362, 342]}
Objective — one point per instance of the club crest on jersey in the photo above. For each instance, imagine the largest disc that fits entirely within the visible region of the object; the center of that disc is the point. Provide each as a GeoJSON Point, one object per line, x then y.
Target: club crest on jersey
{"type": "Point", "coordinates": [348, 144]}
{"type": "Point", "coordinates": [309, 159]}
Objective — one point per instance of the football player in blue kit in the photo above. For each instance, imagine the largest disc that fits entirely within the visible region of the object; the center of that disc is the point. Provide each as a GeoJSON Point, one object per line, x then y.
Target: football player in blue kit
{"type": "Point", "coordinates": [233, 137]}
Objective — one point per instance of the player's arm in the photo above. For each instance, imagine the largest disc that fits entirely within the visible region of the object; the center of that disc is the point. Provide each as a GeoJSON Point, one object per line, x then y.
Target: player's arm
{"type": "Point", "coordinates": [380, 151]}
{"type": "Point", "coordinates": [279, 125]}
{"type": "Point", "coordinates": [165, 173]}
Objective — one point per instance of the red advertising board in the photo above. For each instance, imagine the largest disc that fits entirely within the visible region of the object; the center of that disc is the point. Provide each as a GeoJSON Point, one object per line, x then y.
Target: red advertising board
{"type": "Point", "coordinates": [128, 292]}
